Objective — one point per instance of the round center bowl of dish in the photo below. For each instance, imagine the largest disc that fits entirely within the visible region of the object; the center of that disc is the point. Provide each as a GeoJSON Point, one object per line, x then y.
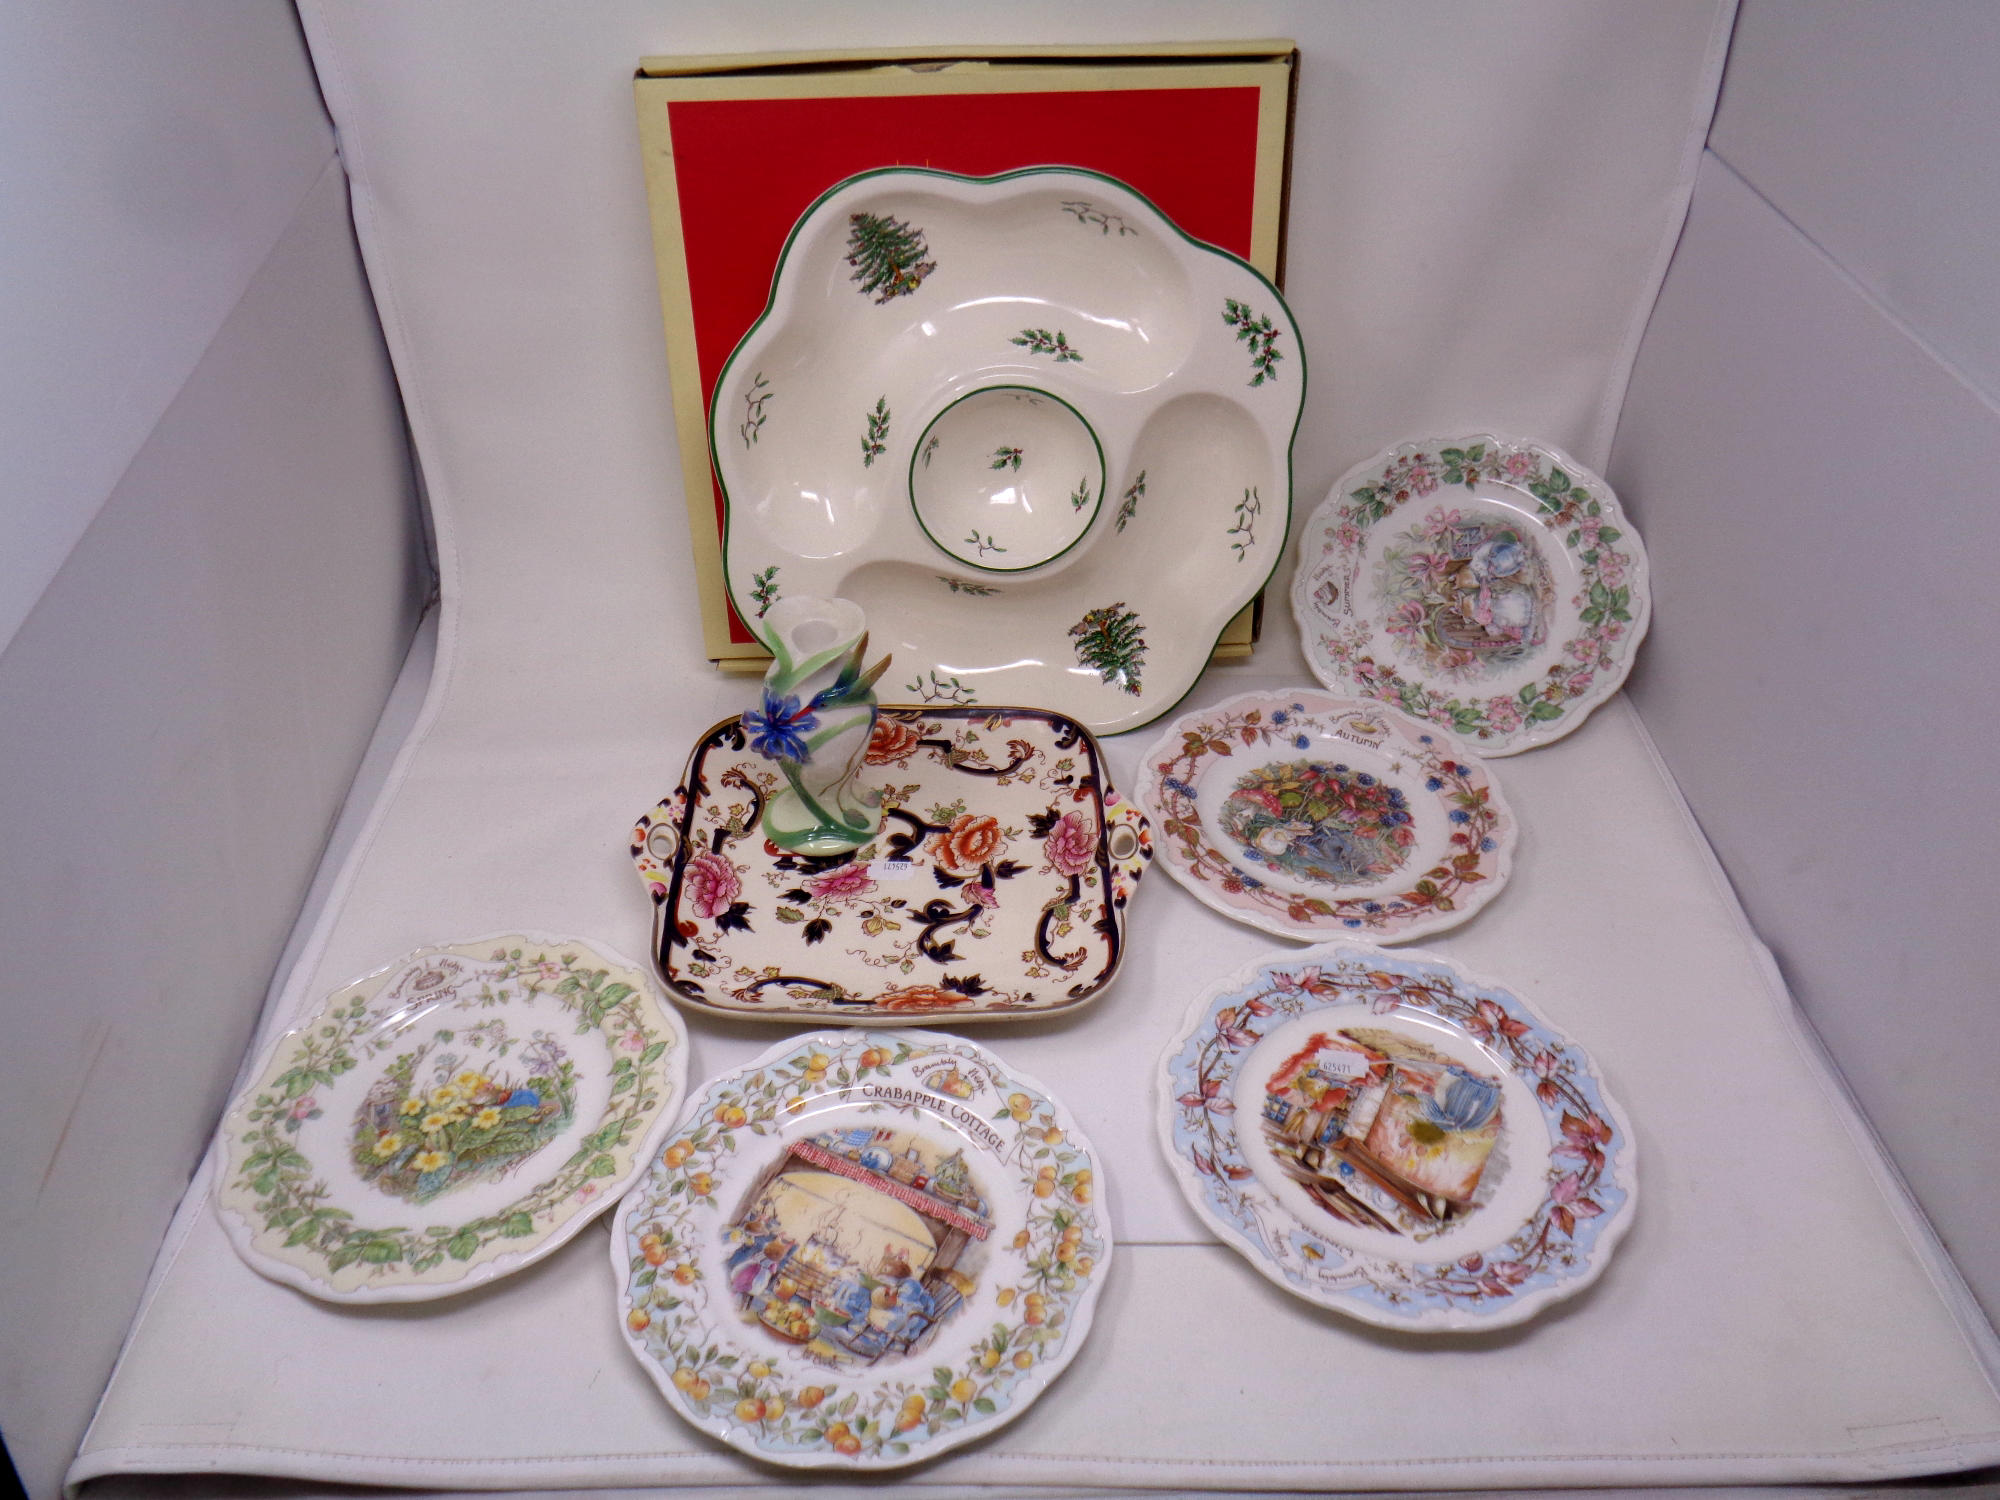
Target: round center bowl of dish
{"type": "Point", "coordinates": [1038, 433]}
{"type": "Point", "coordinates": [1007, 479]}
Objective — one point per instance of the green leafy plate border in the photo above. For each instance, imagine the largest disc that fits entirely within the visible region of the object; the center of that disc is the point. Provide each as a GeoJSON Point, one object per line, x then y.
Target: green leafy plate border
{"type": "Point", "coordinates": [1581, 515]}
{"type": "Point", "coordinates": [737, 1391]}
{"type": "Point", "coordinates": [276, 1209]}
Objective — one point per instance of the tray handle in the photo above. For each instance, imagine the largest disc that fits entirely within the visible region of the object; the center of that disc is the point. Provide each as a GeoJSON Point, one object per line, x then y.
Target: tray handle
{"type": "Point", "coordinates": [656, 846]}
{"type": "Point", "coordinates": [1128, 844]}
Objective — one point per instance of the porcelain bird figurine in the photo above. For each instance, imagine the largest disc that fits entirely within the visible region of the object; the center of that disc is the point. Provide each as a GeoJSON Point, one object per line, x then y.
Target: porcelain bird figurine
{"type": "Point", "coordinates": [815, 720]}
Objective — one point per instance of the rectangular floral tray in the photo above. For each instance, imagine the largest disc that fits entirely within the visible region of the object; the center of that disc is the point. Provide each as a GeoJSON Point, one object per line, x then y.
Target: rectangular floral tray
{"type": "Point", "coordinates": [997, 886]}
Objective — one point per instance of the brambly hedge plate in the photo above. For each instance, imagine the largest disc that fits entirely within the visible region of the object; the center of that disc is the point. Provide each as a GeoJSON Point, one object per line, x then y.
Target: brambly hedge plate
{"type": "Point", "coordinates": [1312, 816]}
{"type": "Point", "coordinates": [450, 1119]}
{"type": "Point", "coordinates": [862, 1249]}
{"type": "Point", "coordinates": [996, 889]}
{"type": "Point", "coordinates": [1037, 433]}
{"type": "Point", "coordinates": [1491, 587]}
{"type": "Point", "coordinates": [1390, 1137]}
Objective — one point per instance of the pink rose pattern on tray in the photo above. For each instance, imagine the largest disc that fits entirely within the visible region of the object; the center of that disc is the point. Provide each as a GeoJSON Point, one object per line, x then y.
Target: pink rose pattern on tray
{"type": "Point", "coordinates": [993, 833]}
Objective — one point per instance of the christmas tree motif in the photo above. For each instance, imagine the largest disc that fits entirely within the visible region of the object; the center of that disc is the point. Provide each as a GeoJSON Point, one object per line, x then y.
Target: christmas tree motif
{"type": "Point", "coordinates": [878, 431]}
{"type": "Point", "coordinates": [889, 257]}
{"type": "Point", "coordinates": [1112, 643]}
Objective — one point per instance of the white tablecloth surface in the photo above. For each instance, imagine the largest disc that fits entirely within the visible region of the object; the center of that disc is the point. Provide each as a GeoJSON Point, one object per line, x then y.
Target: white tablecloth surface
{"type": "Point", "coordinates": [1779, 1312]}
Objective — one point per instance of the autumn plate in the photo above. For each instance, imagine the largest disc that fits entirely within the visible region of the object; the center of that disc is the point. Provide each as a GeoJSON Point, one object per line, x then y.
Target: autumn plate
{"type": "Point", "coordinates": [450, 1119]}
{"type": "Point", "coordinates": [996, 889]}
{"type": "Point", "coordinates": [861, 1250]}
{"type": "Point", "coordinates": [1309, 816]}
{"type": "Point", "coordinates": [1491, 587]}
{"type": "Point", "coordinates": [1037, 433]}
{"type": "Point", "coordinates": [1388, 1136]}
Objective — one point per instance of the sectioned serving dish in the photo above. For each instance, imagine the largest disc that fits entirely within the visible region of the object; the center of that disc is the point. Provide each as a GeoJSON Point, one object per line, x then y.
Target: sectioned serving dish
{"type": "Point", "coordinates": [997, 887]}
{"type": "Point", "coordinates": [1041, 436]}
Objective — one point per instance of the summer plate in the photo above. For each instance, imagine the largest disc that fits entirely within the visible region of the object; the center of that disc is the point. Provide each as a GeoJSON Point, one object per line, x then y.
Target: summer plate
{"type": "Point", "coordinates": [1488, 586]}
{"type": "Point", "coordinates": [1310, 816]}
{"type": "Point", "coordinates": [1037, 433]}
{"type": "Point", "coordinates": [997, 887]}
{"type": "Point", "coordinates": [862, 1249]}
{"type": "Point", "coordinates": [1388, 1136]}
{"type": "Point", "coordinates": [450, 1119]}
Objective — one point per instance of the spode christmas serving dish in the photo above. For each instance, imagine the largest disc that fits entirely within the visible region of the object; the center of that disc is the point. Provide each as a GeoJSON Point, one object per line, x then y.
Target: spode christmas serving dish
{"type": "Point", "coordinates": [997, 885]}
{"type": "Point", "coordinates": [1388, 1136]}
{"type": "Point", "coordinates": [861, 1250]}
{"type": "Point", "coordinates": [1309, 816]}
{"type": "Point", "coordinates": [449, 1119]}
{"type": "Point", "coordinates": [1039, 435]}
{"type": "Point", "coordinates": [1491, 587]}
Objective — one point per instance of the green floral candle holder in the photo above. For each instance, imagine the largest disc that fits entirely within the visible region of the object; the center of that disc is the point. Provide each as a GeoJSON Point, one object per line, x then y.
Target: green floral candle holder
{"type": "Point", "coordinates": [817, 714]}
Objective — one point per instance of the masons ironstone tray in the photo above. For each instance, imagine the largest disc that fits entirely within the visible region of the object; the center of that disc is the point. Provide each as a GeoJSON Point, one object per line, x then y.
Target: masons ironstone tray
{"type": "Point", "coordinates": [1390, 1137]}
{"type": "Point", "coordinates": [1313, 816]}
{"type": "Point", "coordinates": [450, 1119]}
{"type": "Point", "coordinates": [862, 1249]}
{"type": "Point", "coordinates": [1037, 433]}
{"type": "Point", "coordinates": [997, 887]}
{"type": "Point", "coordinates": [1491, 587]}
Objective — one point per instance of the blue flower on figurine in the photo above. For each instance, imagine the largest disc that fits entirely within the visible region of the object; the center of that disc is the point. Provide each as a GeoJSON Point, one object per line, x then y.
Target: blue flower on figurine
{"type": "Point", "coordinates": [780, 731]}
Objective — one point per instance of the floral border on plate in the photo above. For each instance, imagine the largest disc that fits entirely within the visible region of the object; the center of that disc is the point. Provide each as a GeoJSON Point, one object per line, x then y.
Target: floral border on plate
{"type": "Point", "coordinates": [1441, 897]}
{"type": "Point", "coordinates": [274, 1206]}
{"type": "Point", "coordinates": [1561, 1248]}
{"type": "Point", "coordinates": [734, 1391]}
{"type": "Point", "coordinates": [1576, 507]}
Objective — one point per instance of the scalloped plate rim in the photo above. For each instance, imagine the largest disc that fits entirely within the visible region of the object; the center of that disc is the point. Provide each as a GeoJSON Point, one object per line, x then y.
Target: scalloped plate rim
{"type": "Point", "coordinates": [1603, 690]}
{"type": "Point", "coordinates": [242, 1235]}
{"type": "Point", "coordinates": [1082, 1315]}
{"type": "Point", "coordinates": [1165, 850]}
{"type": "Point", "coordinates": [1434, 1320]}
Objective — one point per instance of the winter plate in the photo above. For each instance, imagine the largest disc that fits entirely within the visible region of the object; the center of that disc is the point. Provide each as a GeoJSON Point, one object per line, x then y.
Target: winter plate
{"type": "Point", "coordinates": [450, 1119]}
{"type": "Point", "coordinates": [1493, 588]}
{"type": "Point", "coordinates": [1387, 1136]}
{"type": "Point", "coordinates": [1037, 433]}
{"type": "Point", "coordinates": [861, 1250]}
{"type": "Point", "coordinates": [1308, 816]}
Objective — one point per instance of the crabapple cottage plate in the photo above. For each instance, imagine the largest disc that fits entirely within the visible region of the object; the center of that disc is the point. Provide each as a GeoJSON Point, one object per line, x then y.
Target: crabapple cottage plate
{"type": "Point", "coordinates": [1491, 587]}
{"type": "Point", "coordinates": [997, 886]}
{"type": "Point", "coordinates": [450, 1119]}
{"type": "Point", "coordinates": [861, 1250]}
{"type": "Point", "coordinates": [1390, 1137]}
{"type": "Point", "coordinates": [1312, 816]}
{"type": "Point", "coordinates": [1037, 433]}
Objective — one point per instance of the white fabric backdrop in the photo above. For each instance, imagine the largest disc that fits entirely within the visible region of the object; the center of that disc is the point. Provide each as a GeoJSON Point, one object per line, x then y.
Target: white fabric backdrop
{"type": "Point", "coordinates": [1484, 200]}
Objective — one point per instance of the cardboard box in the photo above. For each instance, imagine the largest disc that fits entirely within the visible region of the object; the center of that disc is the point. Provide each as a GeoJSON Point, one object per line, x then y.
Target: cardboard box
{"type": "Point", "coordinates": [738, 147]}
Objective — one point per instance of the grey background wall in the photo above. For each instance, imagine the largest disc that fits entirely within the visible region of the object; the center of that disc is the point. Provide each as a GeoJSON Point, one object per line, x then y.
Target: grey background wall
{"type": "Point", "coordinates": [1806, 444]}
{"type": "Point", "coordinates": [210, 570]}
